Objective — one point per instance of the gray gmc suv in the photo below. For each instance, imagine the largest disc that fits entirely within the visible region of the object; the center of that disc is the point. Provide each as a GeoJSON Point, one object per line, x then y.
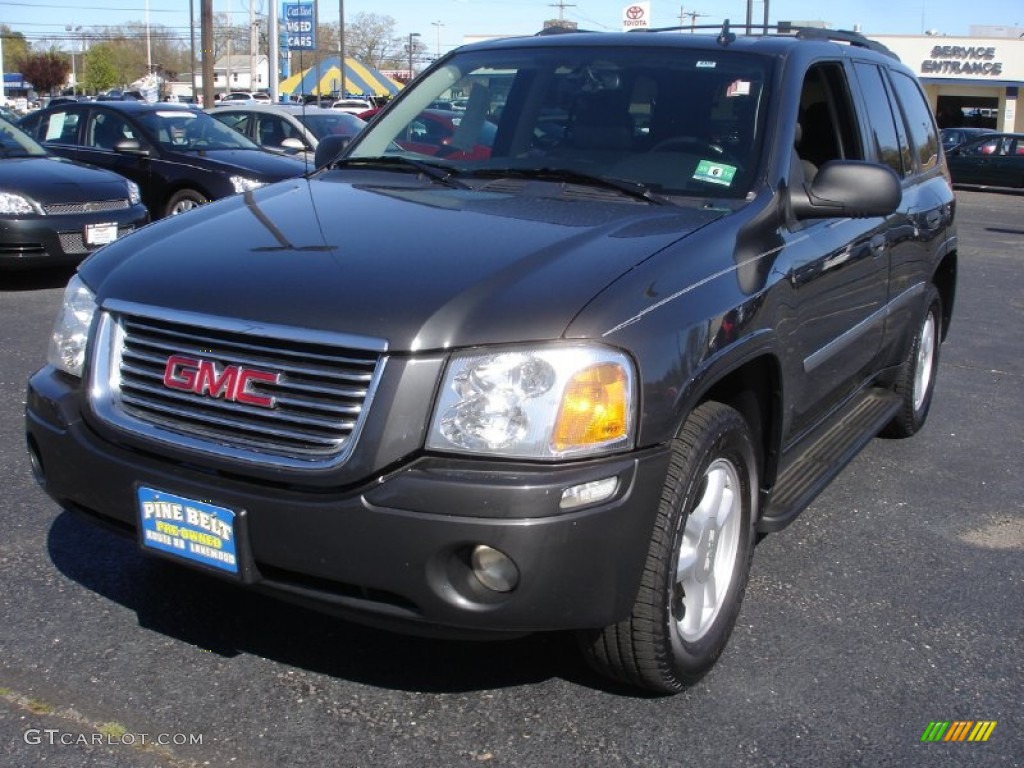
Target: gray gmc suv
{"type": "Point", "coordinates": [556, 368]}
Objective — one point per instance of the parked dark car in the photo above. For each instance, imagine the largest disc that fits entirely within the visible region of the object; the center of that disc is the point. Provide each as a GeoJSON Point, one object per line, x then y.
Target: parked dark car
{"type": "Point", "coordinates": [954, 137]}
{"type": "Point", "coordinates": [993, 160]}
{"type": "Point", "coordinates": [288, 128]}
{"type": "Point", "coordinates": [54, 211]}
{"type": "Point", "coordinates": [179, 157]}
{"type": "Point", "coordinates": [565, 383]}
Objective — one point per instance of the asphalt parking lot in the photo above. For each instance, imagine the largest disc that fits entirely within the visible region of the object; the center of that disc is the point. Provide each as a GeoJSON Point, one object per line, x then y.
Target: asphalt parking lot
{"type": "Point", "coordinates": [895, 601]}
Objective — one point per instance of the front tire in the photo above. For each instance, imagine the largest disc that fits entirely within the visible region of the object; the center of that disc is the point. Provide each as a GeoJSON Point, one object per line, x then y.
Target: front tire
{"type": "Point", "coordinates": [184, 200]}
{"type": "Point", "coordinates": [697, 563]}
{"type": "Point", "coordinates": [915, 383]}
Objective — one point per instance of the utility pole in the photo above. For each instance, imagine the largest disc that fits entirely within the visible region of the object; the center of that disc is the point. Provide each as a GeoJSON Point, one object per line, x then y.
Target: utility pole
{"type": "Point", "coordinates": [192, 50]}
{"type": "Point", "coordinates": [693, 18]}
{"type": "Point", "coordinates": [561, 6]}
{"type": "Point", "coordinates": [411, 36]}
{"type": "Point", "coordinates": [206, 41]}
{"type": "Point", "coordinates": [252, 47]}
{"type": "Point", "coordinates": [341, 44]}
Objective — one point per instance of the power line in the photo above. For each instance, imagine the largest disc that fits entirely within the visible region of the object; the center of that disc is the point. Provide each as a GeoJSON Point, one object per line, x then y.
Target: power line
{"type": "Point", "coordinates": [64, 7]}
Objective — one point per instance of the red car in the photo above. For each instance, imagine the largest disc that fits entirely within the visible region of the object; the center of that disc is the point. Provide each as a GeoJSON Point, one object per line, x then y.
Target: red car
{"type": "Point", "coordinates": [432, 134]}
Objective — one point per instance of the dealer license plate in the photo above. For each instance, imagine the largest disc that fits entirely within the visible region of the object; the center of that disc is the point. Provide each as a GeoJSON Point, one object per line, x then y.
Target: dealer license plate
{"type": "Point", "coordinates": [188, 529]}
{"type": "Point", "coordinates": [100, 234]}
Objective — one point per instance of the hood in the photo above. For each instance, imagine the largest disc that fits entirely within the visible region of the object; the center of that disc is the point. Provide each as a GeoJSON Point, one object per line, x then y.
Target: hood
{"type": "Point", "coordinates": [257, 163]}
{"type": "Point", "coordinates": [419, 267]}
{"type": "Point", "coordinates": [49, 180]}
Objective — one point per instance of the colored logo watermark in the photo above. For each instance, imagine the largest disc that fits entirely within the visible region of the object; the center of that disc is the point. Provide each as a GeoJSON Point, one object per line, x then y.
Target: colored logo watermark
{"type": "Point", "coordinates": [959, 730]}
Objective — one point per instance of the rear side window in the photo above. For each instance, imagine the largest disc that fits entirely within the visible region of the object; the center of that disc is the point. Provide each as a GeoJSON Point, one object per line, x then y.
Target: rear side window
{"type": "Point", "coordinates": [57, 127]}
{"type": "Point", "coordinates": [924, 136]}
{"type": "Point", "coordinates": [881, 124]}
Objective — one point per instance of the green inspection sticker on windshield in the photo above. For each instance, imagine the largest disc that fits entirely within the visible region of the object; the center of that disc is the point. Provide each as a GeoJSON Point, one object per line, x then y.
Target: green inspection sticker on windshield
{"type": "Point", "coordinates": [715, 173]}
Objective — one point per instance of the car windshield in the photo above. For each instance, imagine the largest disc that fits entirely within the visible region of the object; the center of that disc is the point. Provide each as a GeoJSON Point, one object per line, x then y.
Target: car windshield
{"type": "Point", "coordinates": [15, 143]}
{"type": "Point", "coordinates": [186, 130]}
{"type": "Point", "coordinates": [676, 122]}
{"type": "Point", "coordinates": [326, 123]}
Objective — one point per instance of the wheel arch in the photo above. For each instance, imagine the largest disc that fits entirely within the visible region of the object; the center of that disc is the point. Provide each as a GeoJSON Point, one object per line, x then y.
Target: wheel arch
{"type": "Point", "coordinates": [944, 279]}
{"type": "Point", "coordinates": [753, 387]}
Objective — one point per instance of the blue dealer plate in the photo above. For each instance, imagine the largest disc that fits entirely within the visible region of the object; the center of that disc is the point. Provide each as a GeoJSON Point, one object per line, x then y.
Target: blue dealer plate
{"type": "Point", "coordinates": [188, 529]}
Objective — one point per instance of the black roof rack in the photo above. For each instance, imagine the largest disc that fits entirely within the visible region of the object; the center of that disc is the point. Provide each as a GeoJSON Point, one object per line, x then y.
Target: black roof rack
{"type": "Point", "coordinates": [727, 35]}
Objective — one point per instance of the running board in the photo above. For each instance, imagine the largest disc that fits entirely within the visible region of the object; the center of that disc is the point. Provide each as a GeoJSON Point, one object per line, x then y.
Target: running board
{"type": "Point", "coordinates": [826, 455]}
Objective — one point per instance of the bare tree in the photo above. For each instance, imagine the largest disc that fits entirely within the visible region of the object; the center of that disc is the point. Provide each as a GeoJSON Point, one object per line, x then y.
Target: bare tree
{"type": "Point", "coordinates": [371, 39]}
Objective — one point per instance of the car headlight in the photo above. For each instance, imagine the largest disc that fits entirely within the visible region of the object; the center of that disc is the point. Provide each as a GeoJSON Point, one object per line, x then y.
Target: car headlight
{"type": "Point", "coordinates": [71, 331]}
{"type": "Point", "coordinates": [134, 196]}
{"type": "Point", "coordinates": [553, 402]}
{"type": "Point", "coordinates": [243, 184]}
{"type": "Point", "coordinates": [13, 204]}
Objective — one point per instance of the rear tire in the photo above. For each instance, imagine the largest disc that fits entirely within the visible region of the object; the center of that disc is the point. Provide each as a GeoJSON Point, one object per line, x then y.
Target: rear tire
{"type": "Point", "coordinates": [697, 564]}
{"type": "Point", "coordinates": [916, 380]}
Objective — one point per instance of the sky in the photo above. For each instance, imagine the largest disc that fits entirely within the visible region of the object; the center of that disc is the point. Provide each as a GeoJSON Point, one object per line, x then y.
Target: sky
{"type": "Point", "coordinates": [445, 24]}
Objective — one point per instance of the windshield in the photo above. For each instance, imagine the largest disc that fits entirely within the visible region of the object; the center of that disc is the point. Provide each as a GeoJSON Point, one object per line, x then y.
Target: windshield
{"type": "Point", "coordinates": [189, 130]}
{"type": "Point", "coordinates": [325, 123]}
{"type": "Point", "coordinates": [678, 122]}
{"type": "Point", "coordinates": [15, 143]}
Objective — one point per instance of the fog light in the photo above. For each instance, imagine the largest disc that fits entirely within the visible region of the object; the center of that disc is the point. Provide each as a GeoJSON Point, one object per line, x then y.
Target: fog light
{"type": "Point", "coordinates": [494, 569]}
{"type": "Point", "coordinates": [588, 493]}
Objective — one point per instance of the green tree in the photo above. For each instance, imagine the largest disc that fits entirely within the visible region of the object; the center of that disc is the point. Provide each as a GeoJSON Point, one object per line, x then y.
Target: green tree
{"type": "Point", "coordinates": [46, 71]}
{"type": "Point", "coordinates": [16, 48]}
{"type": "Point", "coordinates": [100, 70]}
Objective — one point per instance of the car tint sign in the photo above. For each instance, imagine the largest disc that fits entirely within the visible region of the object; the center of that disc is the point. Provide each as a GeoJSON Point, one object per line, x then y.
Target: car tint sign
{"type": "Point", "coordinates": [299, 26]}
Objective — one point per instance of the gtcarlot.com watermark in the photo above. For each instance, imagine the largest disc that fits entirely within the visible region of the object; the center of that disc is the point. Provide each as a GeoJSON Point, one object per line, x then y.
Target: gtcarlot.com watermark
{"type": "Point", "coordinates": [57, 737]}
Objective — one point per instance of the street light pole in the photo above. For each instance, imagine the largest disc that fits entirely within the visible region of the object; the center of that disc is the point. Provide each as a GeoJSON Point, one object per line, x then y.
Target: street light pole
{"type": "Point", "coordinates": [73, 30]}
{"type": "Point", "coordinates": [438, 24]}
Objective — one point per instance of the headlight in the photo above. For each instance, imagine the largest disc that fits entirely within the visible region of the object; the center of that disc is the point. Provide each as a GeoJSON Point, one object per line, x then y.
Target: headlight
{"type": "Point", "coordinates": [134, 196]}
{"type": "Point", "coordinates": [243, 184]}
{"type": "Point", "coordinates": [71, 331]}
{"type": "Point", "coordinates": [18, 205]}
{"type": "Point", "coordinates": [540, 403]}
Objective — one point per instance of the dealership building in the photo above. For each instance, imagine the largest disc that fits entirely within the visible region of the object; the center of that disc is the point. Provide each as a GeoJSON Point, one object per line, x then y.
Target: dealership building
{"type": "Point", "coordinates": [975, 80]}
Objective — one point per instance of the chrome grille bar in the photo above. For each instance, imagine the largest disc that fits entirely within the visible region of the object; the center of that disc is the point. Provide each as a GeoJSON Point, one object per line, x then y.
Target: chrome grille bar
{"type": "Point", "coordinates": [172, 377]}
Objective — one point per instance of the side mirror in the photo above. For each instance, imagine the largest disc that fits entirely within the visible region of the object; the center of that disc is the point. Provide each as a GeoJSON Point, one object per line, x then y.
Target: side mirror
{"type": "Point", "coordinates": [130, 146]}
{"type": "Point", "coordinates": [848, 188]}
{"type": "Point", "coordinates": [328, 149]}
{"type": "Point", "coordinates": [292, 144]}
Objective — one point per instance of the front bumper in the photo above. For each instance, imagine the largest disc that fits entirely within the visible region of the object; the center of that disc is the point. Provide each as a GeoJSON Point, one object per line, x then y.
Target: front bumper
{"type": "Point", "coordinates": [47, 241]}
{"type": "Point", "coordinates": [393, 551]}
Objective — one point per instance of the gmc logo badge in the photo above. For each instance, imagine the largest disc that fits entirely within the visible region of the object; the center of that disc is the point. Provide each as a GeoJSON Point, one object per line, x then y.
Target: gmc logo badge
{"type": "Point", "coordinates": [233, 383]}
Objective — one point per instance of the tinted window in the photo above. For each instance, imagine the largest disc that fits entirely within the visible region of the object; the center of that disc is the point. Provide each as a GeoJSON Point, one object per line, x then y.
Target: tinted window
{"type": "Point", "coordinates": [924, 136]}
{"type": "Point", "coordinates": [880, 116]}
{"type": "Point", "coordinates": [676, 121]}
{"type": "Point", "coordinates": [827, 119]}
{"type": "Point", "coordinates": [59, 127]}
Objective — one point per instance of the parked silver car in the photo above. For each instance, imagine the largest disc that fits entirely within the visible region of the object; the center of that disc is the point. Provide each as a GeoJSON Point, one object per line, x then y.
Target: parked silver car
{"type": "Point", "coordinates": [288, 128]}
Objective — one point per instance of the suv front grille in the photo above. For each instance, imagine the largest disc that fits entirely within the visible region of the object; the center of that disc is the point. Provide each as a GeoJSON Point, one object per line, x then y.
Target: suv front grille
{"type": "Point", "coordinates": [264, 394]}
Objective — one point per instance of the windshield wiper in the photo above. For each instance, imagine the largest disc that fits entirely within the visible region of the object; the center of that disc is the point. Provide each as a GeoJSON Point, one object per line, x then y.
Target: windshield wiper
{"type": "Point", "coordinates": [436, 173]}
{"type": "Point", "coordinates": [631, 188]}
